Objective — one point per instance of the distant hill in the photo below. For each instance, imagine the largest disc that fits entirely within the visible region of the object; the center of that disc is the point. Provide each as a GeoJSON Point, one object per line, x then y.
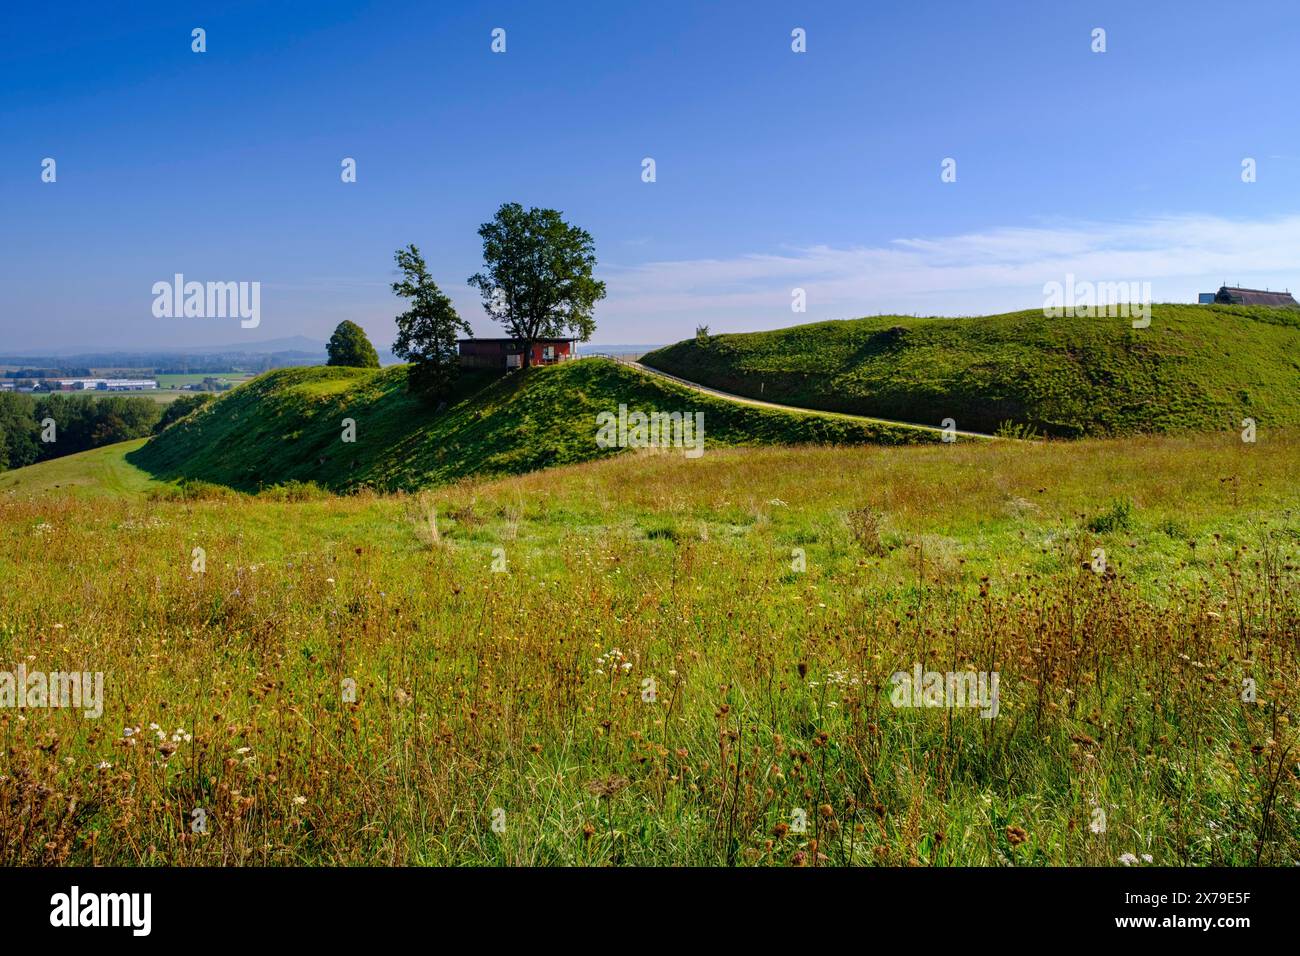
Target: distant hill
{"type": "Point", "coordinates": [1194, 368]}
{"type": "Point", "coordinates": [287, 425]}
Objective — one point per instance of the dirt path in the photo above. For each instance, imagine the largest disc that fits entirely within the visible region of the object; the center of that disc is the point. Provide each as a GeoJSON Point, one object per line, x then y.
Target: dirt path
{"type": "Point", "coordinates": [794, 408]}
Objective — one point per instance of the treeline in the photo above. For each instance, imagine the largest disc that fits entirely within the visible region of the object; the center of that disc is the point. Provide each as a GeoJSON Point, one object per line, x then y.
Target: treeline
{"type": "Point", "coordinates": [38, 427]}
{"type": "Point", "coordinates": [60, 372]}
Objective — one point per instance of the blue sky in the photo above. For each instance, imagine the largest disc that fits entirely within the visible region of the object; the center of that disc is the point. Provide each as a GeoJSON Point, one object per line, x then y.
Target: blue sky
{"type": "Point", "coordinates": [775, 170]}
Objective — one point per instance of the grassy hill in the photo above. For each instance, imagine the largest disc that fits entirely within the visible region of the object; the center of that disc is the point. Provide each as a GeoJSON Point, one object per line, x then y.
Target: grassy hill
{"type": "Point", "coordinates": [1194, 368]}
{"type": "Point", "coordinates": [287, 426]}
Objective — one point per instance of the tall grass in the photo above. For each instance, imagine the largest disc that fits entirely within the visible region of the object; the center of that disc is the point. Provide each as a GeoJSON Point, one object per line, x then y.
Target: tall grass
{"type": "Point", "coordinates": [650, 680]}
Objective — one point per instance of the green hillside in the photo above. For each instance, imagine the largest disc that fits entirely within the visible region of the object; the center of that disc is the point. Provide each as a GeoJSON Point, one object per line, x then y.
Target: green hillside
{"type": "Point", "coordinates": [287, 426]}
{"type": "Point", "coordinates": [1194, 368]}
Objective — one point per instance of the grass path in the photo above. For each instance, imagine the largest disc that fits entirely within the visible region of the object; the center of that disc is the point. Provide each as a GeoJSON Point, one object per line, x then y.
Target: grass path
{"type": "Point", "coordinates": [731, 397]}
{"type": "Point", "coordinates": [101, 471]}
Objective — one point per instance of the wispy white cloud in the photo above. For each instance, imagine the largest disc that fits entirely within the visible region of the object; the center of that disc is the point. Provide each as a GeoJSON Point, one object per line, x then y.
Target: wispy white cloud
{"type": "Point", "coordinates": [967, 274]}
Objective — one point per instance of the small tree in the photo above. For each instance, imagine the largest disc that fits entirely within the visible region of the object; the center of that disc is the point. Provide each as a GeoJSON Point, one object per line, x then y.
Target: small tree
{"type": "Point", "coordinates": [701, 335]}
{"type": "Point", "coordinates": [538, 279]}
{"type": "Point", "coordinates": [427, 332]}
{"type": "Point", "coordinates": [348, 346]}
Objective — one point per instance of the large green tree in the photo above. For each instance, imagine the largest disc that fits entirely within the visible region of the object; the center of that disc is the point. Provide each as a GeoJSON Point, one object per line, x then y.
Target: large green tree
{"type": "Point", "coordinates": [537, 279]}
{"type": "Point", "coordinates": [427, 331]}
{"type": "Point", "coordinates": [349, 346]}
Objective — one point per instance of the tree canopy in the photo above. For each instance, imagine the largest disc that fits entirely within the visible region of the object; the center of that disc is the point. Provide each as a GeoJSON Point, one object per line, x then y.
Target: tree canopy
{"type": "Point", "coordinates": [349, 346]}
{"type": "Point", "coordinates": [537, 279]}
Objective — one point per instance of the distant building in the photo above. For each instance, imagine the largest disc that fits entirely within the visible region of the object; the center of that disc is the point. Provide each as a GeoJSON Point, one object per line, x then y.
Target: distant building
{"type": "Point", "coordinates": [100, 384]}
{"type": "Point", "coordinates": [509, 353]}
{"type": "Point", "coordinates": [75, 384]}
{"type": "Point", "coordinates": [1232, 295]}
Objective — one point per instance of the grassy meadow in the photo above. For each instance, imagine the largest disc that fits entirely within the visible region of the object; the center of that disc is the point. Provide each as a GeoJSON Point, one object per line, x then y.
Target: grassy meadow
{"type": "Point", "coordinates": [503, 634]}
